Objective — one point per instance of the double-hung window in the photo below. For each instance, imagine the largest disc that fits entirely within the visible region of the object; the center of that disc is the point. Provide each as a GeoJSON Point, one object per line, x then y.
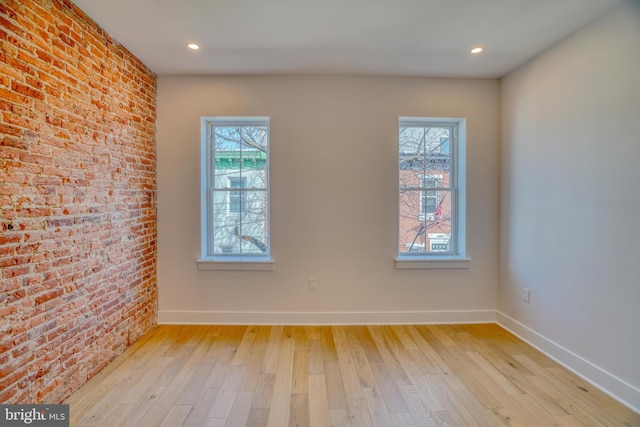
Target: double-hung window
{"type": "Point", "coordinates": [432, 207]}
{"type": "Point", "coordinates": [235, 191]}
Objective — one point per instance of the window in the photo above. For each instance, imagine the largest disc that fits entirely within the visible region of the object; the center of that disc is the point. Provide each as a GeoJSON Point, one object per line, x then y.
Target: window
{"type": "Point", "coordinates": [235, 189]}
{"type": "Point", "coordinates": [238, 198]}
{"type": "Point", "coordinates": [431, 159]}
{"type": "Point", "coordinates": [430, 199]}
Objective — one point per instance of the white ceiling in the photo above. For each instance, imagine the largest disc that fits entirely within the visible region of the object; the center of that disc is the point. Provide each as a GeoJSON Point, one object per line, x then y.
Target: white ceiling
{"type": "Point", "coordinates": [371, 37]}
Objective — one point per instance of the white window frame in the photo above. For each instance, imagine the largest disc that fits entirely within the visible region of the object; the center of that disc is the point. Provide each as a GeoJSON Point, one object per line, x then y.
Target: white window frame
{"type": "Point", "coordinates": [220, 261]}
{"type": "Point", "coordinates": [457, 256]}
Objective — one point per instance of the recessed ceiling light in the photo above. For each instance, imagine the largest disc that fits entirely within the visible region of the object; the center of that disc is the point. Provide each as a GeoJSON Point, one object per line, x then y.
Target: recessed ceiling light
{"type": "Point", "coordinates": [476, 50]}
{"type": "Point", "coordinates": [193, 46]}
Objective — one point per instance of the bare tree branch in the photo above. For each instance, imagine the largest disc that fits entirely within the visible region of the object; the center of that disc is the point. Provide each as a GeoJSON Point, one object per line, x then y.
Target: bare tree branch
{"type": "Point", "coordinates": [257, 243]}
{"type": "Point", "coordinates": [243, 139]}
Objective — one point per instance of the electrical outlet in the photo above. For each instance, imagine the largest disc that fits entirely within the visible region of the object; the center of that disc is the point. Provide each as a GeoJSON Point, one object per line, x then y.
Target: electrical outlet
{"type": "Point", "coordinates": [313, 284]}
{"type": "Point", "coordinates": [526, 295]}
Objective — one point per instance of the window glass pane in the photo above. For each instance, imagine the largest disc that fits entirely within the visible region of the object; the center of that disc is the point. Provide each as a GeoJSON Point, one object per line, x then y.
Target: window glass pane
{"type": "Point", "coordinates": [222, 239]}
{"type": "Point", "coordinates": [425, 221]}
{"type": "Point", "coordinates": [253, 230]}
{"type": "Point", "coordinates": [226, 155]}
{"type": "Point", "coordinates": [240, 150]}
{"type": "Point", "coordinates": [437, 153]}
{"type": "Point", "coordinates": [240, 222]}
{"type": "Point", "coordinates": [411, 156]}
{"type": "Point", "coordinates": [254, 168]}
{"type": "Point", "coordinates": [254, 155]}
{"type": "Point", "coordinates": [423, 151]}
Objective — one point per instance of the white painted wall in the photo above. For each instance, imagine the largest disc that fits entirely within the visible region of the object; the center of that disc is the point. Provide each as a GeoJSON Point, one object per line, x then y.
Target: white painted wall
{"type": "Point", "coordinates": [334, 200]}
{"type": "Point", "coordinates": [570, 201]}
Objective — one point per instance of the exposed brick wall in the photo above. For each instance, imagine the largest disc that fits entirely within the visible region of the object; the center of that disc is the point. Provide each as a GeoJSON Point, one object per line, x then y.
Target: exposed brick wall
{"type": "Point", "coordinates": [77, 199]}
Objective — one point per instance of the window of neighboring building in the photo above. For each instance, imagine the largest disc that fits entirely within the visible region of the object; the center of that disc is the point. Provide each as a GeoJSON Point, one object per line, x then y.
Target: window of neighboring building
{"type": "Point", "coordinates": [430, 199]}
{"type": "Point", "coordinates": [238, 198]}
{"type": "Point", "coordinates": [432, 207]}
{"type": "Point", "coordinates": [235, 189]}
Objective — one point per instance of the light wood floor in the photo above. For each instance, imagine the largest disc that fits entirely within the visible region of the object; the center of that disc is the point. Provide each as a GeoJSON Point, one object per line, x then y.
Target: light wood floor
{"type": "Point", "coordinates": [278, 376]}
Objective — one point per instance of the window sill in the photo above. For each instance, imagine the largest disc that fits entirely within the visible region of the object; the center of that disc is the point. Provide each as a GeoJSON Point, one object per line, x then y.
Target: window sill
{"type": "Point", "coordinates": [433, 262]}
{"type": "Point", "coordinates": [236, 264]}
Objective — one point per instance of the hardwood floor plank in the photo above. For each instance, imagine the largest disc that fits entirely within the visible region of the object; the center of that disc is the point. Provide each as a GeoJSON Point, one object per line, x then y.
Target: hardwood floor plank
{"type": "Point", "coordinates": [214, 422]}
{"type": "Point", "coordinates": [565, 397]}
{"type": "Point", "coordinates": [222, 405]}
{"type": "Point", "coordinates": [368, 344]}
{"type": "Point", "coordinates": [378, 410]}
{"type": "Point", "coordinates": [464, 402]}
{"type": "Point", "coordinates": [300, 378]}
{"type": "Point", "coordinates": [420, 381]}
{"type": "Point", "coordinates": [244, 349]}
{"type": "Point", "coordinates": [436, 363]}
{"type": "Point", "coordinates": [208, 375]}
{"type": "Point", "coordinates": [85, 399]}
{"type": "Point", "coordinates": [419, 413]}
{"type": "Point", "coordinates": [202, 406]}
{"type": "Point", "coordinates": [342, 376]}
{"type": "Point", "coordinates": [318, 401]}
{"type": "Point", "coordinates": [385, 348]}
{"type": "Point", "coordinates": [526, 411]}
{"type": "Point", "coordinates": [176, 416]}
{"type": "Point", "coordinates": [262, 337]}
{"type": "Point", "coordinates": [258, 417]}
{"type": "Point", "coordinates": [486, 389]}
{"type": "Point", "coordinates": [564, 402]}
{"type": "Point", "coordinates": [119, 415]}
{"type": "Point", "coordinates": [316, 366]}
{"type": "Point", "coordinates": [281, 401]}
{"type": "Point", "coordinates": [239, 412]}
{"type": "Point", "coordinates": [178, 374]}
{"type": "Point", "coordinates": [335, 386]}
{"type": "Point", "coordinates": [446, 352]}
{"type": "Point", "coordinates": [505, 383]}
{"type": "Point", "coordinates": [388, 389]}
{"type": "Point", "coordinates": [340, 418]}
{"type": "Point", "coordinates": [597, 401]}
{"type": "Point", "coordinates": [353, 390]}
{"type": "Point", "coordinates": [402, 419]}
{"type": "Point", "coordinates": [252, 371]}
{"type": "Point", "coordinates": [363, 368]}
{"type": "Point", "coordinates": [567, 421]}
{"type": "Point", "coordinates": [300, 337]}
{"type": "Point", "coordinates": [299, 410]}
{"type": "Point", "coordinates": [140, 413]}
{"type": "Point", "coordinates": [264, 391]}
{"type": "Point", "coordinates": [270, 364]}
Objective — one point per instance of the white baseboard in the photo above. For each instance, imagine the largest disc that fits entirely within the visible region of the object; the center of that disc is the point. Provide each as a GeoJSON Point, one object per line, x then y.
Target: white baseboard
{"type": "Point", "coordinates": [325, 318]}
{"type": "Point", "coordinates": [615, 387]}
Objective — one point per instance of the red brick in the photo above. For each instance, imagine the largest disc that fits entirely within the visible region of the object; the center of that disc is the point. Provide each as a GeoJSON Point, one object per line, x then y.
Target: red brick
{"type": "Point", "coordinates": [12, 96]}
{"type": "Point", "coordinates": [71, 189]}
{"type": "Point", "coordinates": [27, 90]}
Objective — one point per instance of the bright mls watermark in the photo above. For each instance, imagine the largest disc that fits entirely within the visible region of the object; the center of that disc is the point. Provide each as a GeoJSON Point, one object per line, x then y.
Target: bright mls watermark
{"type": "Point", "coordinates": [34, 415]}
